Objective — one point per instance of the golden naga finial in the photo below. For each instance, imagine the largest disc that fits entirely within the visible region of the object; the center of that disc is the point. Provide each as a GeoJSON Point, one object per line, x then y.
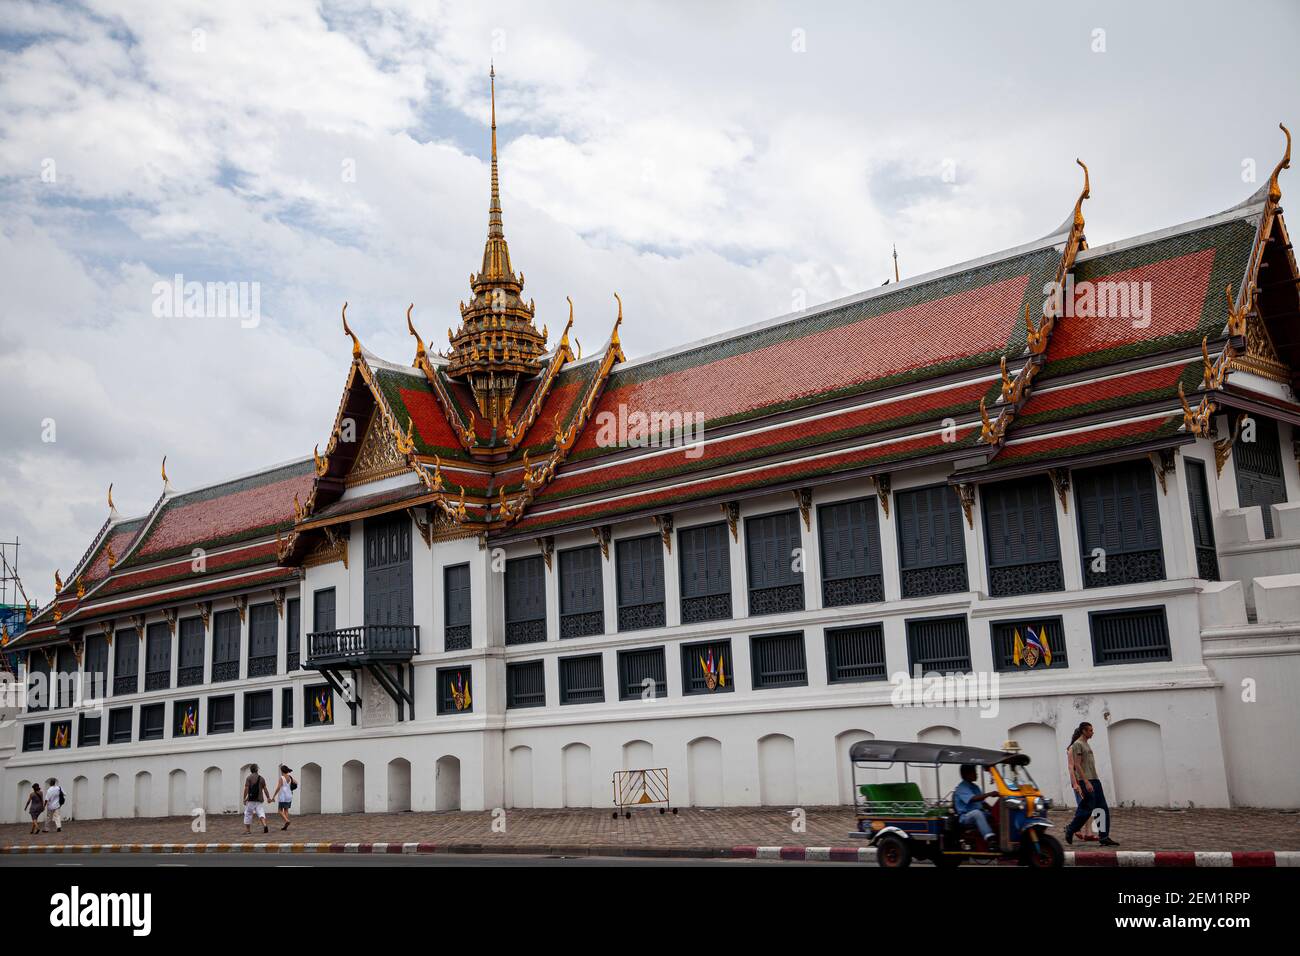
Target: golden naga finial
{"type": "Point", "coordinates": [322, 464]}
{"type": "Point", "coordinates": [564, 339]}
{"type": "Point", "coordinates": [460, 505]}
{"type": "Point", "coordinates": [166, 482]}
{"type": "Point", "coordinates": [986, 427]}
{"type": "Point", "coordinates": [1196, 422]}
{"type": "Point", "coordinates": [297, 508]}
{"type": "Point", "coordinates": [503, 509]}
{"type": "Point", "coordinates": [1087, 191]}
{"type": "Point", "coordinates": [1007, 383]}
{"type": "Point", "coordinates": [58, 581]}
{"type": "Point", "coordinates": [1237, 313]}
{"type": "Point", "coordinates": [1274, 190]}
{"type": "Point", "coordinates": [437, 473]}
{"type": "Point", "coordinates": [111, 509]}
{"type": "Point", "coordinates": [1037, 337]}
{"type": "Point", "coordinates": [112, 558]}
{"type": "Point", "coordinates": [81, 588]}
{"type": "Point", "coordinates": [613, 339]}
{"type": "Point", "coordinates": [356, 343]}
{"type": "Point", "coordinates": [410, 327]}
{"type": "Point", "coordinates": [27, 607]}
{"type": "Point", "coordinates": [404, 443]}
{"type": "Point", "coordinates": [1207, 367]}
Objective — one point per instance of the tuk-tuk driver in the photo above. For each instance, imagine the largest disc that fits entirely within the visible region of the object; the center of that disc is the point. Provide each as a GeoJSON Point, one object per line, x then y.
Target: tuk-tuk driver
{"type": "Point", "coordinates": [966, 801]}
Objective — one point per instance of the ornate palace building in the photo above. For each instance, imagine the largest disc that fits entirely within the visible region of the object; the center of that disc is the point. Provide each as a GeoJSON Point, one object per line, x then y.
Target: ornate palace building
{"type": "Point", "coordinates": [509, 570]}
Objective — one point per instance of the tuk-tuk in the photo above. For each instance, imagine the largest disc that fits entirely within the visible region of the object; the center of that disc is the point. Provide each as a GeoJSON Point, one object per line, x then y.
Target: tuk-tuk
{"type": "Point", "coordinates": [903, 825]}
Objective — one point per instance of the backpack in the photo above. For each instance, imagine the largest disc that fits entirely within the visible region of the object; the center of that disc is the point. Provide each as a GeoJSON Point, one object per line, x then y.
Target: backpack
{"type": "Point", "coordinates": [293, 784]}
{"type": "Point", "coordinates": [63, 796]}
{"type": "Point", "coordinates": [253, 789]}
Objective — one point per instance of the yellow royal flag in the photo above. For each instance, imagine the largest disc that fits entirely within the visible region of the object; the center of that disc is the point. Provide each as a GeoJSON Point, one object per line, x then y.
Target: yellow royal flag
{"type": "Point", "coordinates": [1017, 649]}
{"type": "Point", "coordinates": [1047, 648]}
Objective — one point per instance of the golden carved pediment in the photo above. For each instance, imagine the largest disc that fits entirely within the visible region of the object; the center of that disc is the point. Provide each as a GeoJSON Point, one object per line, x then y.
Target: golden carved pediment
{"type": "Point", "coordinates": [379, 456]}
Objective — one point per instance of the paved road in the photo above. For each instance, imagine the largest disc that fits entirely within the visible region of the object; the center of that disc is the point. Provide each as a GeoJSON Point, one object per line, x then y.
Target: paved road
{"type": "Point", "coordinates": [361, 859]}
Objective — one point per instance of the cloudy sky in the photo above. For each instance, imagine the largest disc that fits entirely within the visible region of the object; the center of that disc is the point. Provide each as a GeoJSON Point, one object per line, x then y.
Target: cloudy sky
{"type": "Point", "coordinates": [715, 163]}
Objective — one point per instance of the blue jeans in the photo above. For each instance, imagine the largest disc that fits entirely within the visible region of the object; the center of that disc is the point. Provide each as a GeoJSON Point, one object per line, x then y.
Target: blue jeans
{"type": "Point", "coordinates": [1088, 803]}
{"type": "Point", "coordinates": [980, 819]}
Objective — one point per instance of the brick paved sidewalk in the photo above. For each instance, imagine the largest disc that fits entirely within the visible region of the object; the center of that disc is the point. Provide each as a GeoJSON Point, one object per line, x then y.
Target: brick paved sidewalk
{"type": "Point", "coordinates": [1136, 829]}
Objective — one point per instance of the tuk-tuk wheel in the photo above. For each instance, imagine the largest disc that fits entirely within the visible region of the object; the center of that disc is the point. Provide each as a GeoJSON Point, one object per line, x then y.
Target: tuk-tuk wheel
{"type": "Point", "coordinates": [893, 853]}
{"type": "Point", "coordinates": [1045, 854]}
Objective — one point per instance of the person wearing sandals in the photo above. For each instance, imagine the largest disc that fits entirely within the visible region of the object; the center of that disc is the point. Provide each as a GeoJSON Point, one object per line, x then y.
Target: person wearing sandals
{"type": "Point", "coordinates": [284, 793]}
{"type": "Point", "coordinates": [35, 805]}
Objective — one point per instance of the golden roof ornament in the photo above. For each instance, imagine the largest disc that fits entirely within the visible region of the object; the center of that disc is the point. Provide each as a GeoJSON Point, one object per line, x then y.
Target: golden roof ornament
{"type": "Point", "coordinates": [112, 558]}
{"type": "Point", "coordinates": [356, 343]}
{"type": "Point", "coordinates": [58, 582]}
{"type": "Point", "coordinates": [419, 342]}
{"type": "Point", "coordinates": [112, 509]}
{"type": "Point", "coordinates": [167, 485]}
{"type": "Point", "coordinates": [1274, 189]}
{"type": "Point", "coordinates": [81, 588]}
{"type": "Point", "coordinates": [322, 464]}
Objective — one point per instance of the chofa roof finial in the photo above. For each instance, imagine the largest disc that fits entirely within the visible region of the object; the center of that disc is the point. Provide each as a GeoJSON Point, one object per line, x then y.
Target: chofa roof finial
{"type": "Point", "coordinates": [410, 327]}
{"type": "Point", "coordinates": [356, 343]}
{"type": "Point", "coordinates": [1274, 190]}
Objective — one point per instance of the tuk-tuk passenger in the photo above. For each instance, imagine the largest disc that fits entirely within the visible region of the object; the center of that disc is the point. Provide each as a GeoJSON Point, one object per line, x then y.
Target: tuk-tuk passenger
{"type": "Point", "coordinates": [966, 801]}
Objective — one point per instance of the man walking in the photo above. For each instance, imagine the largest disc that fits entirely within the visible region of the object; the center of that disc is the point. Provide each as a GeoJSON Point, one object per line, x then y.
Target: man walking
{"type": "Point", "coordinates": [1083, 773]}
{"type": "Point", "coordinates": [255, 797]}
{"type": "Point", "coordinates": [53, 803]}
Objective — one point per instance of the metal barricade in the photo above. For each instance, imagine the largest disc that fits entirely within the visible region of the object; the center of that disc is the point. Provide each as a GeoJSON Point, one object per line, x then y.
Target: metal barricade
{"type": "Point", "coordinates": [642, 790]}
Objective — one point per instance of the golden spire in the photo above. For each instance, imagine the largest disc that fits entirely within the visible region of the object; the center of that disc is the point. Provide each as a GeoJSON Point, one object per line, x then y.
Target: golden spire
{"type": "Point", "coordinates": [356, 343]}
{"type": "Point", "coordinates": [1274, 190]}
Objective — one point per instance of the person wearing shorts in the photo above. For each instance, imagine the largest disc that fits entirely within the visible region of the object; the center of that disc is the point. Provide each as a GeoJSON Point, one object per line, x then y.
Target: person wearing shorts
{"type": "Point", "coordinates": [284, 794]}
{"type": "Point", "coordinates": [255, 796]}
{"type": "Point", "coordinates": [35, 806]}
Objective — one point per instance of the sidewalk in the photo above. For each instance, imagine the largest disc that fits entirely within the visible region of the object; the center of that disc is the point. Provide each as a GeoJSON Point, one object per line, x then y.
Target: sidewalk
{"type": "Point", "coordinates": [695, 832]}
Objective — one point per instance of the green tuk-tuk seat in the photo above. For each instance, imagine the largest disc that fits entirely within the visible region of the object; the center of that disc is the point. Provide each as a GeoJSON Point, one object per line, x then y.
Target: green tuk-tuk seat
{"type": "Point", "coordinates": [901, 798]}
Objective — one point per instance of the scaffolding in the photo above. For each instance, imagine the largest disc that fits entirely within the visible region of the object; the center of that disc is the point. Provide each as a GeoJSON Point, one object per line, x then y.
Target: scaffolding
{"type": "Point", "coordinates": [14, 602]}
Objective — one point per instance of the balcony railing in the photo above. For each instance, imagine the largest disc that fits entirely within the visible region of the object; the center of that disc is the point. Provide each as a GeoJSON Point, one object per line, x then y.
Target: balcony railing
{"type": "Point", "coordinates": [367, 642]}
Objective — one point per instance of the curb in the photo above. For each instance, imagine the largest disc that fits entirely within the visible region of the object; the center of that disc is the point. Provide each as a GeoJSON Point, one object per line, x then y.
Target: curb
{"type": "Point", "coordinates": [831, 854]}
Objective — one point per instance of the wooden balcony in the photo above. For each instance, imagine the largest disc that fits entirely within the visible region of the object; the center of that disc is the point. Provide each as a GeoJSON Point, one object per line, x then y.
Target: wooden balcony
{"type": "Point", "coordinates": [366, 644]}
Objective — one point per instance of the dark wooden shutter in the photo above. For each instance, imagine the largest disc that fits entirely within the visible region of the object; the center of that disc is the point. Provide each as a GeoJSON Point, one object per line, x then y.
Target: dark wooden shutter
{"type": "Point", "coordinates": [582, 600]}
{"type": "Point", "coordinates": [849, 533]}
{"type": "Point", "coordinates": [323, 611]}
{"type": "Point", "coordinates": [777, 660]}
{"type": "Point", "coordinates": [770, 543]}
{"type": "Point", "coordinates": [1259, 471]}
{"type": "Point", "coordinates": [635, 667]}
{"type": "Point", "coordinates": [582, 680]}
{"type": "Point", "coordinates": [525, 684]}
{"type": "Point", "coordinates": [1130, 637]}
{"type": "Point", "coordinates": [525, 600]}
{"type": "Point", "coordinates": [1198, 500]}
{"type": "Point", "coordinates": [640, 575]}
{"type": "Point", "coordinates": [293, 635]}
{"type": "Point", "coordinates": [456, 607]}
{"type": "Point", "coordinates": [705, 562]}
{"type": "Point", "coordinates": [938, 644]}
{"type": "Point", "coordinates": [389, 581]}
{"type": "Point", "coordinates": [1119, 513]}
{"type": "Point", "coordinates": [189, 664]}
{"type": "Point", "coordinates": [1024, 552]}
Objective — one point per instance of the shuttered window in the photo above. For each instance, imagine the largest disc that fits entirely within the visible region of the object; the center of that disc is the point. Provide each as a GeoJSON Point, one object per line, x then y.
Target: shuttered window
{"type": "Point", "coordinates": [318, 705]}
{"type": "Point", "coordinates": [157, 657]}
{"type": "Point", "coordinates": [126, 661]}
{"type": "Point", "coordinates": [640, 571]}
{"type": "Point", "coordinates": [582, 680]}
{"type": "Point", "coordinates": [95, 665]}
{"type": "Point", "coordinates": [525, 600]}
{"type": "Point", "coordinates": [938, 644]}
{"type": "Point", "coordinates": [772, 546]}
{"type": "Point", "coordinates": [525, 684]}
{"type": "Point", "coordinates": [582, 599]}
{"type": "Point", "coordinates": [1119, 524]}
{"type": "Point", "coordinates": [850, 553]}
{"type": "Point", "coordinates": [855, 654]}
{"type": "Point", "coordinates": [704, 561]}
{"type": "Point", "coordinates": [120, 725]}
{"type": "Point", "coordinates": [707, 668]}
{"type": "Point", "coordinates": [33, 738]}
{"type": "Point", "coordinates": [153, 721]}
{"type": "Point", "coordinates": [189, 664]}
{"type": "Point", "coordinates": [293, 635]}
{"type": "Point", "coordinates": [1024, 550]}
{"type": "Point", "coordinates": [778, 660]}
{"type": "Point", "coordinates": [64, 692]}
{"type": "Point", "coordinates": [88, 730]}
{"type": "Point", "coordinates": [931, 545]}
{"type": "Point", "coordinates": [259, 710]}
{"type": "Point", "coordinates": [38, 681]}
{"type": "Point", "coordinates": [286, 707]}
{"type": "Point", "coordinates": [262, 640]}
{"type": "Point", "coordinates": [1258, 465]}
{"type": "Point", "coordinates": [1129, 637]}
{"type": "Point", "coordinates": [225, 646]}
{"type": "Point", "coordinates": [221, 715]}
{"type": "Point", "coordinates": [322, 611]}
{"type": "Point", "coordinates": [457, 635]}
{"type": "Point", "coordinates": [641, 670]}
{"type": "Point", "coordinates": [1039, 637]}
{"type": "Point", "coordinates": [1198, 500]}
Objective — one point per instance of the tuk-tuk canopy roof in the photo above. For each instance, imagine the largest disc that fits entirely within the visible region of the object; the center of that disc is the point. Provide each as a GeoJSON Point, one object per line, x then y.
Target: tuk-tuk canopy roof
{"type": "Point", "coordinates": [909, 751]}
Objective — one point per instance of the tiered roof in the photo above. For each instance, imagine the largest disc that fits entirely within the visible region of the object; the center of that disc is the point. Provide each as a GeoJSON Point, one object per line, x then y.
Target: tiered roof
{"type": "Point", "coordinates": [971, 366]}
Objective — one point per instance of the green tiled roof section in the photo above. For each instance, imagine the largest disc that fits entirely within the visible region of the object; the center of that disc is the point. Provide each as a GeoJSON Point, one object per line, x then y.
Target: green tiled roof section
{"type": "Point", "coordinates": [1231, 241]}
{"type": "Point", "coordinates": [1040, 265]}
{"type": "Point", "coordinates": [390, 386]}
{"type": "Point", "coordinates": [578, 378]}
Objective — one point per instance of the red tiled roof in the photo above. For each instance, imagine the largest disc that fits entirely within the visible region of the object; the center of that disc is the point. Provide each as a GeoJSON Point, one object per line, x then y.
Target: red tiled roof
{"type": "Point", "coordinates": [1093, 439]}
{"type": "Point", "coordinates": [262, 578]}
{"type": "Point", "coordinates": [135, 579]}
{"type": "Point", "coordinates": [1082, 397]}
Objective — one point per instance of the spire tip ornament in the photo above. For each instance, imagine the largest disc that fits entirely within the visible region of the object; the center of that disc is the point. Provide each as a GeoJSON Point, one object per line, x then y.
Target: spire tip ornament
{"type": "Point", "coordinates": [356, 343]}
{"type": "Point", "coordinates": [1274, 190]}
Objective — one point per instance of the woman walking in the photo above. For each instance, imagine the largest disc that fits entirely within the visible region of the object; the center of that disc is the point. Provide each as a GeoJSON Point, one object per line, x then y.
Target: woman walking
{"type": "Point", "coordinates": [35, 805]}
{"type": "Point", "coordinates": [1085, 833]}
{"type": "Point", "coordinates": [284, 793]}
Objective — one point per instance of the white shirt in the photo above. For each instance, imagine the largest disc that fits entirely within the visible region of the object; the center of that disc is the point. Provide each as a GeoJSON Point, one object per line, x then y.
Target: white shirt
{"type": "Point", "coordinates": [53, 796]}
